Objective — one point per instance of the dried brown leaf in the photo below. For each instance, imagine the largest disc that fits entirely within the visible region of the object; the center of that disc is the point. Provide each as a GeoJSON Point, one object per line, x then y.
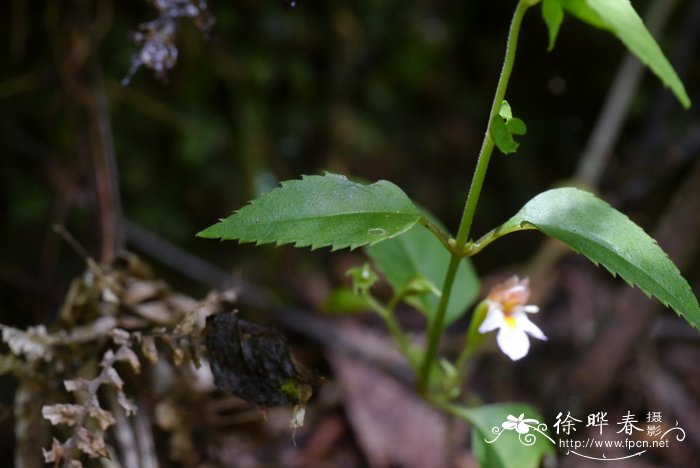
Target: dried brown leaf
{"type": "Point", "coordinates": [90, 444]}
{"type": "Point", "coordinates": [76, 384]}
{"type": "Point", "coordinates": [107, 358]}
{"type": "Point", "coordinates": [125, 354]}
{"type": "Point", "coordinates": [166, 415]}
{"type": "Point", "coordinates": [88, 332]}
{"type": "Point", "coordinates": [62, 413]}
{"type": "Point", "coordinates": [82, 297]}
{"type": "Point", "coordinates": [129, 407]}
{"type": "Point", "coordinates": [392, 424]}
{"type": "Point", "coordinates": [148, 348]}
{"type": "Point", "coordinates": [55, 453]}
{"type": "Point", "coordinates": [114, 378]}
{"type": "Point", "coordinates": [109, 296]}
{"type": "Point", "coordinates": [34, 344]}
{"type": "Point", "coordinates": [193, 351]}
{"type": "Point", "coordinates": [103, 417]}
{"type": "Point", "coordinates": [9, 363]}
{"type": "Point", "coordinates": [181, 302]}
{"type": "Point", "coordinates": [120, 336]}
{"type": "Point", "coordinates": [253, 361]}
{"type": "Point", "coordinates": [298, 413]}
{"type": "Point", "coordinates": [156, 312]}
{"type": "Point", "coordinates": [141, 291]}
{"type": "Point", "coordinates": [178, 353]}
{"type": "Point", "coordinates": [188, 324]}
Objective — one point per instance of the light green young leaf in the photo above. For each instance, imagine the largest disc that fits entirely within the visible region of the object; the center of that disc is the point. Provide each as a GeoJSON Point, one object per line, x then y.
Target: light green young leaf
{"type": "Point", "coordinates": [581, 10]}
{"type": "Point", "coordinates": [516, 126]}
{"type": "Point", "coordinates": [503, 126]}
{"type": "Point", "coordinates": [418, 254]}
{"type": "Point", "coordinates": [502, 136]}
{"type": "Point", "coordinates": [619, 17]}
{"type": "Point", "coordinates": [553, 15]}
{"type": "Point", "coordinates": [505, 111]}
{"type": "Point", "coordinates": [497, 447]}
{"type": "Point", "coordinates": [321, 211]}
{"type": "Point", "coordinates": [592, 227]}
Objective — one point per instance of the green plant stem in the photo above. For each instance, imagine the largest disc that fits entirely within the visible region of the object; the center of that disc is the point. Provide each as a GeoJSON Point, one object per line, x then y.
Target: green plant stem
{"type": "Point", "coordinates": [387, 314]}
{"type": "Point", "coordinates": [463, 359]}
{"type": "Point", "coordinates": [473, 248]}
{"type": "Point", "coordinates": [436, 326]}
{"type": "Point", "coordinates": [441, 236]}
{"type": "Point", "coordinates": [474, 339]}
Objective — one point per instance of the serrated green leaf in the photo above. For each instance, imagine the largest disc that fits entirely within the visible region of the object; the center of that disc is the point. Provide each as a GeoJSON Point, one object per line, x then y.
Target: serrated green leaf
{"type": "Point", "coordinates": [619, 17]}
{"type": "Point", "coordinates": [553, 15]}
{"type": "Point", "coordinates": [502, 136]}
{"type": "Point", "coordinates": [496, 447]}
{"type": "Point", "coordinates": [419, 254]}
{"type": "Point", "coordinates": [321, 211]}
{"type": "Point", "coordinates": [592, 227]}
{"type": "Point", "coordinates": [628, 26]}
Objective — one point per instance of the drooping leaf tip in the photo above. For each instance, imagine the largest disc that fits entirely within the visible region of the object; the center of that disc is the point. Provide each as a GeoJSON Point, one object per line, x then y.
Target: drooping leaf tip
{"type": "Point", "coordinates": [212, 232]}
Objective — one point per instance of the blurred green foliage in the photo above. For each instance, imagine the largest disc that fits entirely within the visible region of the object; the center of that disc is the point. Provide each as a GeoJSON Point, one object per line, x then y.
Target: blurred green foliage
{"type": "Point", "coordinates": [374, 89]}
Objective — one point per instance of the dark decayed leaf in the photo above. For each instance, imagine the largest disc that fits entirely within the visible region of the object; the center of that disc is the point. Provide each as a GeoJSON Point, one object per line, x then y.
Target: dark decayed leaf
{"type": "Point", "coordinates": [253, 362]}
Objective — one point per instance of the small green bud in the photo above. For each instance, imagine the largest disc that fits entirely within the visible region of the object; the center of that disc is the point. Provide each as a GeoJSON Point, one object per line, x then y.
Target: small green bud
{"type": "Point", "coordinates": [363, 278]}
{"type": "Point", "coordinates": [421, 285]}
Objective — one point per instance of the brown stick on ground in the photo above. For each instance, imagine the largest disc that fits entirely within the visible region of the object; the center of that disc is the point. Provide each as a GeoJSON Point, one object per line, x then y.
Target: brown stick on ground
{"type": "Point", "coordinates": [78, 62]}
{"type": "Point", "coordinates": [677, 233]}
{"type": "Point", "coordinates": [103, 154]}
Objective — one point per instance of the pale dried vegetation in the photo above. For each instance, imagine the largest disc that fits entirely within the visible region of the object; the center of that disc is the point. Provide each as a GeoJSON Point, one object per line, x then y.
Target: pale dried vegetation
{"type": "Point", "coordinates": [121, 361]}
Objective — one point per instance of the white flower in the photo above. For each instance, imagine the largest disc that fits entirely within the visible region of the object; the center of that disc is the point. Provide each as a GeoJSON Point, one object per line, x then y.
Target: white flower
{"type": "Point", "coordinates": [521, 425]}
{"type": "Point", "coordinates": [507, 312]}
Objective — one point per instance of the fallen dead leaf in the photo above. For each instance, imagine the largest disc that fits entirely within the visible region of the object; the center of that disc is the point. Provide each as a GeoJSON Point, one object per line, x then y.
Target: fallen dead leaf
{"type": "Point", "coordinates": [393, 426]}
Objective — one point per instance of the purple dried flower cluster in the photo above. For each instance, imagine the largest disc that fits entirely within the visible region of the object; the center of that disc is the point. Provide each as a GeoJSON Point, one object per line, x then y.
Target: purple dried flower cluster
{"type": "Point", "coordinates": [157, 38]}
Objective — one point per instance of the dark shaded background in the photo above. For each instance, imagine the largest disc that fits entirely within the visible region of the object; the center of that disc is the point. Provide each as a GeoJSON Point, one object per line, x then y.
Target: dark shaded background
{"type": "Point", "coordinates": [393, 90]}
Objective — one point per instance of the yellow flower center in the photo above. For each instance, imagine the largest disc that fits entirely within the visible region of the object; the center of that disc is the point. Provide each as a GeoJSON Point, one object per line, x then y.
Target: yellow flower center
{"type": "Point", "coordinates": [509, 305]}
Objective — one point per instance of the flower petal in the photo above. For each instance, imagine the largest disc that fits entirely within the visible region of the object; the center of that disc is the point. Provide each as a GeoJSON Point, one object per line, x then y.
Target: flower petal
{"type": "Point", "coordinates": [513, 342]}
{"type": "Point", "coordinates": [526, 325]}
{"type": "Point", "coordinates": [494, 319]}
